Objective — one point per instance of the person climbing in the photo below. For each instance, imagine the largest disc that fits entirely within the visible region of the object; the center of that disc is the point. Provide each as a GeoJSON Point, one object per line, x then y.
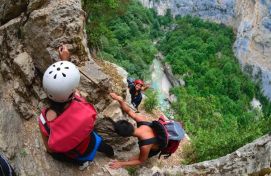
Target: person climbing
{"type": "Point", "coordinates": [158, 137]}
{"type": "Point", "coordinates": [135, 88]}
{"type": "Point", "coordinates": [67, 125]}
{"type": "Point", "coordinates": [5, 168]}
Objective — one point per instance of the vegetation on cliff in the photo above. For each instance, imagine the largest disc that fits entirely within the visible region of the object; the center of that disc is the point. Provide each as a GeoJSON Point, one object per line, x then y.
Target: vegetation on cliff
{"type": "Point", "coordinates": [215, 102]}
{"type": "Point", "coordinates": [122, 32]}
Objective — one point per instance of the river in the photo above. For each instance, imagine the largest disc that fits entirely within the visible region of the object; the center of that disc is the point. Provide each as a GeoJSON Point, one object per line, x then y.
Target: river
{"type": "Point", "coordinates": [161, 84]}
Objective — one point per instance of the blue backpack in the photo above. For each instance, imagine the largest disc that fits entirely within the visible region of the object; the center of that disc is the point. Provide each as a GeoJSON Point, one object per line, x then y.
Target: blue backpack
{"type": "Point", "coordinates": [130, 82]}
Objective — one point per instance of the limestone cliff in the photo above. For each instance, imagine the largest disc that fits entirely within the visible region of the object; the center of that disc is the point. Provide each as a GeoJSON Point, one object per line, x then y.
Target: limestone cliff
{"type": "Point", "coordinates": [251, 19]}
{"type": "Point", "coordinates": [252, 159]}
{"type": "Point", "coordinates": [216, 10]}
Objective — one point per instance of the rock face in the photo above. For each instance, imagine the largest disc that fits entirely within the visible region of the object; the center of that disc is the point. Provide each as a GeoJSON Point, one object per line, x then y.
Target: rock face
{"type": "Point", "coordinates": [29, 44]}
{"type": "Point", "coordinates": [250, 19]}
{"type": "Point", "coordinates": [11, 9]}
{"type": "Point", "coordinates": [215, 10]}
{"type": "Point", "coordinates": [10, 122]}
{"type": "Point", "coordinates": [252, 159]}
{"type": "Point", "coordinates": [253, 43]}
{"type": "Point", "coordinates": [30, 33]}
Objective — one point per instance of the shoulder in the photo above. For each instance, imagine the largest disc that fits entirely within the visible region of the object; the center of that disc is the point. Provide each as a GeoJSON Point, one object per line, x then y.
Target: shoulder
{"type": "Point", "coordinates": [51, 115]}
{"type": "Point", "coordinates": [131, 86]}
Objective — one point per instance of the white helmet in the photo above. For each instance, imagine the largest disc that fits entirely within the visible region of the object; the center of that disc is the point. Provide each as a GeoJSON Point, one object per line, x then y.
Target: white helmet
{"type": "Point", "coordinates": [60, 81]}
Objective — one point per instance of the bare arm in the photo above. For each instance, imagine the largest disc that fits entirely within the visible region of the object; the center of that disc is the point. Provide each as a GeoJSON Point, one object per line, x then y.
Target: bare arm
{"type": "Point", "coordinates": [127, 109]}
{"type": "Point", "coordinates": [143, 156]}
{"type": "Point", "coordinates": [145, 87]}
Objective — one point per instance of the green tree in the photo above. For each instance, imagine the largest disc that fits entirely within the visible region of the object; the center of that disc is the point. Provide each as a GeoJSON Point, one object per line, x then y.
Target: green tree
{"type": "Point", "coordinates": [99, 13]}
{"type": "Point", "coordinates": [214, 104]}
{"type": "Point", "coordinates": [151, 101]}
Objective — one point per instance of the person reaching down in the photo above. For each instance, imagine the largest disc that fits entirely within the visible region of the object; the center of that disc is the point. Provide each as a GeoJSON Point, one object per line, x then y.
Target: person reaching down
{"type": "Point", "coordinates": [158, 137]}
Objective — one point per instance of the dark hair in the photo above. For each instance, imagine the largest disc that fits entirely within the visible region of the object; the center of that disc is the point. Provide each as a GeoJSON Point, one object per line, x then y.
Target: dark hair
{"type": "Point", "coordinates": [124, 128]}
{"type": "Point", "coordinates": [59, 108]}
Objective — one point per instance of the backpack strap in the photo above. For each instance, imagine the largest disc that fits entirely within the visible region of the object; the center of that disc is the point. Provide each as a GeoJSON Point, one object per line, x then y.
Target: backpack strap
{"type": "Point", "coordinates": [44, 123]}
{"type": "Point", "coordinates": [147, 141]}
{"type": "Point", "coordinates": [42, 119]}
{"type": "Point", "coordinates": [73, 151]}
{"type": "Point", "coordinates": [143, 123]}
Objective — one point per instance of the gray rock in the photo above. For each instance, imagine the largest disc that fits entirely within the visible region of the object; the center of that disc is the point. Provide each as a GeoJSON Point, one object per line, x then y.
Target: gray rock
{"type": "Point", "coordinates": [11, 9]}
{"type": "Point", "coordinates": [10, 122]}
{"type": "Point", "coordinates": [93, 73]}
{"type": "Point", "coordinates": [113, 111]}
{"type": "Point", "coordinates": [35, 4]}
{"type": "Point", "coordinates": [48, 27]}
{"type": "Point", "coordinates": [11, 44]}
{"type": "Point", "coordinates": [25, 67]}
{"type": "Point", "coordinates": [252, 159]}
{"type": "Point", "coordinates": [220, 11]}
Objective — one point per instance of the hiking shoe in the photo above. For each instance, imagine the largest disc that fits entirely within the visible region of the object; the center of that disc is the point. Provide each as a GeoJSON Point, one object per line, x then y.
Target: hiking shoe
{"type": "Point", "coordinates": [85, 165]}
{"type": "Point", "coordinates": [106, 149]}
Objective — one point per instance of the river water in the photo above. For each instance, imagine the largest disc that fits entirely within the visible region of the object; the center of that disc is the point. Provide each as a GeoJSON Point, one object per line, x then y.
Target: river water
{"type": "Point", "coordinates": [161, 84]}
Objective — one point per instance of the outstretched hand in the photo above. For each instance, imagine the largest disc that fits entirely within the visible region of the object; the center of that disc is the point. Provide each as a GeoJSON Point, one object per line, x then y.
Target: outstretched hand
{"type": "Point", "coordinates": [115, 164]}
{"type": "Point", "coordinates": [146, 86]}
{"type": "Point", "coordinates": [64, 53]}
{"type": "Point", "coordinates": [116, 97]}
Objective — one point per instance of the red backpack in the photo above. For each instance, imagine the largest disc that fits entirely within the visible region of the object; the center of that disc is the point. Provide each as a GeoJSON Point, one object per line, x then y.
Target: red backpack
{"type": "Point", "coordinates": [71, 128]}
{"type": "Point", "coordinates": [169, 134]}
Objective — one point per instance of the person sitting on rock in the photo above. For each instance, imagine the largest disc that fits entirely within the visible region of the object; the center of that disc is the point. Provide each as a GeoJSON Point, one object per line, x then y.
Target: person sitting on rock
{"type": "Point", "coordinates": [135, 88]}
{"type": "Point", "coordinates": [67, 125]}
{"type": "Point", "coordinates": [149, 142]}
